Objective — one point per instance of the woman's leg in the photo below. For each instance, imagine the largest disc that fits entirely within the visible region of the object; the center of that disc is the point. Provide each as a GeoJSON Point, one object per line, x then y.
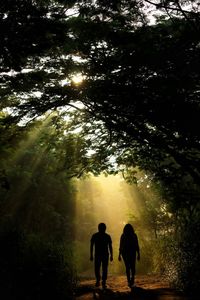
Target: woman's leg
{"type": "Point", "coordinates": [128, 269]}
{"type": "Point", "coordinates": [132, 267]}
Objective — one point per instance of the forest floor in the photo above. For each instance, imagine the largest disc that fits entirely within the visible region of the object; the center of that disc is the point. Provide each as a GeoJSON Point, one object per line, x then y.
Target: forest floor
{"type": "Point", "coordinates": [146, 288]}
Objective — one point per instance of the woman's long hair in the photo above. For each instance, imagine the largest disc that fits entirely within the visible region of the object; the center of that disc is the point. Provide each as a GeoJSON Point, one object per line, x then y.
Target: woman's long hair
{"type": "Point", "coordinates": [128, 230]}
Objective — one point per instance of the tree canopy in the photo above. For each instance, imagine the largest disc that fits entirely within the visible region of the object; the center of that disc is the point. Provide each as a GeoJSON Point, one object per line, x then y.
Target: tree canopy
{"type": "Point", "coordinates": [141, 80]}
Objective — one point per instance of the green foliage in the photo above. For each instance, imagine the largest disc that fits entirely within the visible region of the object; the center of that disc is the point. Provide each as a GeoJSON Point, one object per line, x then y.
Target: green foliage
{"type": "Point", "coordinates": [164, 263]}
{"type": "Point", "coordinates": [148, 252]}
{"type": "Point", "coordinates": [38, 168]}
{"type": "Point", "coordinates": [176, 257]}
{"type": "Point", "coordinates": [187, 258]}
{"type": "Point", "coordinates": [148, 72]}
{"type": "Point", "coordinates": [38, 200]}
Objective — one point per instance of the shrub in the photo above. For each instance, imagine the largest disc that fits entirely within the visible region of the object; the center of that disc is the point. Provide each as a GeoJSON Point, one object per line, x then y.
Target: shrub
{"type": "Point", "coordinates": [33, 269]}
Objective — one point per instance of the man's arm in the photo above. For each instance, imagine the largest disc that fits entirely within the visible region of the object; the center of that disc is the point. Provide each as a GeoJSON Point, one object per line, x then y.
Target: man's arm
{"type": "Point", "coordinates": [110, 249]}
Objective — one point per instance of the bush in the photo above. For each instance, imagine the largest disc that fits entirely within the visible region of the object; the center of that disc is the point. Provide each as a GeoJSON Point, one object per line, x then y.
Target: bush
{"type": "Point", "coordinates": [33, 269]}
{"type": "Point", "coordinates": [178, 257]}
{"type": "Point", "coordinates": [187, 259]}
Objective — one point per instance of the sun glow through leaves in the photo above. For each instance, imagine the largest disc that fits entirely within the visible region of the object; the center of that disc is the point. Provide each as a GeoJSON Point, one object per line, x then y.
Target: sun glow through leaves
{"type": "Point", "coordinates": [77, 78]}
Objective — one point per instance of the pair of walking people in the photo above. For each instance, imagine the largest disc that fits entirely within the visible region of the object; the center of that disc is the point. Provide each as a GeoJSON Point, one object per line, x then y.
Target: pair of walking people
{"type": "Point", "coordinates": [128, 249]}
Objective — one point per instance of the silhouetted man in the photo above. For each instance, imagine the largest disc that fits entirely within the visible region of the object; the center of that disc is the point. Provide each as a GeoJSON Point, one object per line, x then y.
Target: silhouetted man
{"type": "Point", "coordinates": [103, 245]}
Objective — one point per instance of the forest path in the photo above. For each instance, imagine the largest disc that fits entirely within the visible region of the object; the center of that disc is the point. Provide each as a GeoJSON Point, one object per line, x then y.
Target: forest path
{"type": "Point", "coordinates": [147, 288]}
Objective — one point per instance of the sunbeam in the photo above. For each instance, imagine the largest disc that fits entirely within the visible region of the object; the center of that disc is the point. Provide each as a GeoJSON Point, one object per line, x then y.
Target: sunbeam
{"type": "Point", "coordinates": [104, 199]}
{"type": "Point", "coordinates": [21, 157]}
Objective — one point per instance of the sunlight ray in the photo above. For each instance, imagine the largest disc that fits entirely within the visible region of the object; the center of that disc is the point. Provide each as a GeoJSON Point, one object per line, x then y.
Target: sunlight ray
{"type": "Point", "coordinates": [104, 199]}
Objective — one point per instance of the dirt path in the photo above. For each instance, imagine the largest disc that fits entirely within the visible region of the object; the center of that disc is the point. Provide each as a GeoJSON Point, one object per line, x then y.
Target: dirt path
{"type": "Point", "coordinates": [147, 288]}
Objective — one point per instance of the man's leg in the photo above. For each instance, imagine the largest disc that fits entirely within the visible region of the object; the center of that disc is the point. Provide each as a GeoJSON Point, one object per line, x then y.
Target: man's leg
{"type": "Point", "coordinates": [97, 265]}
{"type": "Point", "coordinates": [104, 271]}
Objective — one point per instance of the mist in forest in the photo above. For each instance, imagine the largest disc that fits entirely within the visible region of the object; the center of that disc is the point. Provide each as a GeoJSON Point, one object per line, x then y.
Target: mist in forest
{"type": "Point", "coordinates": [107, 199]}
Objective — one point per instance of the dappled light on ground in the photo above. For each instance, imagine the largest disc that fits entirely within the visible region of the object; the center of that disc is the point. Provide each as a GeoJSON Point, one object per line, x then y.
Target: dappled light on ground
{"type": "Point", "coordinates": [147, 287]}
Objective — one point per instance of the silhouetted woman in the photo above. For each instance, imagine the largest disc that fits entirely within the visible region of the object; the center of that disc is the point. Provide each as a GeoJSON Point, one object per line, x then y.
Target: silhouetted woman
{"type": "Point", "coordinates": [128, 248]}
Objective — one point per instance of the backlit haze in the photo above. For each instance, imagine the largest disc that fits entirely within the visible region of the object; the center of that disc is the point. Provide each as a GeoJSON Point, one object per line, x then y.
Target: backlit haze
{"type": "Point", "coordinates": [107, 199]}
